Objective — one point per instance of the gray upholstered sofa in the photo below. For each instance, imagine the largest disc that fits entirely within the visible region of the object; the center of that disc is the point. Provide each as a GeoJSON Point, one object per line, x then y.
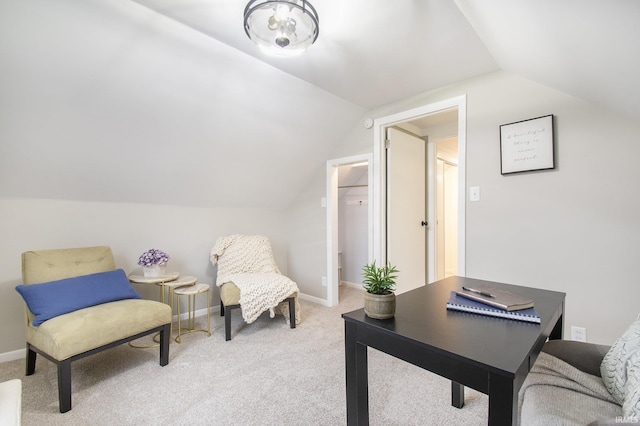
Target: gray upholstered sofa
{"type": "Point", "coordinates": [577, 383]}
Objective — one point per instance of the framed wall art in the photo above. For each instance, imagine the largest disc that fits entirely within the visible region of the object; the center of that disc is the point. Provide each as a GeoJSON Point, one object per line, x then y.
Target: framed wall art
{"type": "Point", "coordinates": [527, 145]}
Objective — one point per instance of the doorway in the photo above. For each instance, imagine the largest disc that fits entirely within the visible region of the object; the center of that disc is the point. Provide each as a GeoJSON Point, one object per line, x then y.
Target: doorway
{"type": "Point", "coordinates": [446, 225]}
{"type": "Point", "coordinates": [333, 202]}
{"type": "Point", "coordinates": [380, 243]}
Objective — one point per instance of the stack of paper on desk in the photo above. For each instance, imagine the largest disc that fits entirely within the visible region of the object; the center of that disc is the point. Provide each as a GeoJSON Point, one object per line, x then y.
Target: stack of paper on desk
{"type": "Point", "coordinates": [493, 302]}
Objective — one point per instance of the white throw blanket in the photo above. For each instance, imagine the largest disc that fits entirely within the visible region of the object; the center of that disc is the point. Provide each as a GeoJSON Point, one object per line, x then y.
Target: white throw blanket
{"type": "Point", "coordinates": [247, 261]}
{"type": "Point", "coordinates": [556, 393]}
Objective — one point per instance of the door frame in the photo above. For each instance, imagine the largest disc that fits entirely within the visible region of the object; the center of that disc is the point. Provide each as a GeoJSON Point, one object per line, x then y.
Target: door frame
{"type": "Point", "coordinates": [378, 200]}
{"type": "Point", "coordinates": [332, 219]}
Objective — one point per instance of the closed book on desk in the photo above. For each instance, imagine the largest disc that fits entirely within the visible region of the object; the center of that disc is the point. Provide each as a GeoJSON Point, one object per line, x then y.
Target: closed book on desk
{"type": "Point", "coordinates": [502, 299]}
{"type": "Point", "coordinates": [459, 303]}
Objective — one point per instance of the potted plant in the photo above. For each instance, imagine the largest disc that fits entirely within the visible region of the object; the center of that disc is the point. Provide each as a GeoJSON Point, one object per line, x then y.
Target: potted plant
{"type": "Point", "coordinates": [153, 262]}
{"type": "Point", "coordinates": [379, 283]}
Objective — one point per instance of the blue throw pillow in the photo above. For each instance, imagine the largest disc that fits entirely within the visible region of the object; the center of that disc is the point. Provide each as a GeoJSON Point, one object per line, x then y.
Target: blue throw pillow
{"type": "Point", "coordinates": [50, 299]}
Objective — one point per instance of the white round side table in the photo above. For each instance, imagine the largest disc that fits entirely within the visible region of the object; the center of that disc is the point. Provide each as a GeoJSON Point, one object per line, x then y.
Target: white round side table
{"type": "Point", "coordinates": [191, 292]}
{"type": "Point", "coordinates": [162, 281]}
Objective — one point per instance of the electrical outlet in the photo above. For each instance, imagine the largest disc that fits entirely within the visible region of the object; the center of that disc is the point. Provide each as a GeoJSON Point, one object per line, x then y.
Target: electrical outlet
{"type": "Point", "coordinates": [324, 281]}
{"type": "Point", "coordinates": [578, 333]}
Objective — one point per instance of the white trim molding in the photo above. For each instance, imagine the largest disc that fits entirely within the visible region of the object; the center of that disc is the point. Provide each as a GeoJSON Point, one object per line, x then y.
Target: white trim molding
{"type": "Point", "coordinates": [379, 172]}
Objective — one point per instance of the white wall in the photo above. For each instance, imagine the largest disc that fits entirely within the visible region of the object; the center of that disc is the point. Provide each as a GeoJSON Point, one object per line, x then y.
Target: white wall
{"type": "Point", "coordinates": [186, 234]}
{"type": "Point", "coordinates": [353, 234]}
{"type": "Point", "coordinates": [573, 229]}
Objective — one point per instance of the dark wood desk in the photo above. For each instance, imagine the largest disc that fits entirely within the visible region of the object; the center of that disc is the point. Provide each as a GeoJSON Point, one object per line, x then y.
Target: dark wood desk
{"type": "Point", "coordinates": [491, 355]}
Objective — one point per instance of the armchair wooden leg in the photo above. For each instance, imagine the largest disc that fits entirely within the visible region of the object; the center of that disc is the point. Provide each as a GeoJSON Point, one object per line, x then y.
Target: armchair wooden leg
{"type": "Point", "coordinates": [165, 338]}
{"type": "Point", "coordinates": [64, 385]}
{"type": "Point", "coordinates": [227, 326]}
{"type": "Point", "coordinates": [31, 361]}
{"type": "Point", "coordinates": [221, 308]}
{"type": "Point", "coordinates": [292, 312]}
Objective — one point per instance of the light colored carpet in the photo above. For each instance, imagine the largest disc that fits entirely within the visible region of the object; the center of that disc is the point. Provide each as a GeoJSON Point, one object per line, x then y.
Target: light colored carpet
{"type": "Point", "coordinates": [268, 374]}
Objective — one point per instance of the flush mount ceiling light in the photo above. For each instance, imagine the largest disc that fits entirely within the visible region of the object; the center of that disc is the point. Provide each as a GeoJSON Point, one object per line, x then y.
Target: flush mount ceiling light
{"type": "Point", "coordinates": [282, 28]}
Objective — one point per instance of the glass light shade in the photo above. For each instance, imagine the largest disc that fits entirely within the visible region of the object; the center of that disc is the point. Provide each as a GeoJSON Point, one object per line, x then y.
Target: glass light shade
{"type": "Point", "coordinates": [283, 27]}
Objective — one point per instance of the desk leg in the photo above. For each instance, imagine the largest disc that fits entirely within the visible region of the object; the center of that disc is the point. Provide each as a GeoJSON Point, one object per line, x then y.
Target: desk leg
{"type": "Point", "coordinates": [558, 329]}
{"type": "Point", "coordinates": [457, 394]}
{"type": "Point", "coordinates": [503, 401]}
{"type": "Point", "coordinates": [356, 376]}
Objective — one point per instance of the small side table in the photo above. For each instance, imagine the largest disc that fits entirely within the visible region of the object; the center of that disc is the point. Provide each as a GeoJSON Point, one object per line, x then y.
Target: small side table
{"type": "Point", "coordinates": [162, 281]}
{"type": "Point", "coordinates": [168, 282]}
{"type": "Point", "coordinates": [191, 292]}
{"type": "Point", "coordinates": [171, 286]}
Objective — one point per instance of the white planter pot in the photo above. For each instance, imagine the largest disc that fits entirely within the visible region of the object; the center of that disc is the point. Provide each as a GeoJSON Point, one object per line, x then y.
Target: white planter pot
{"type": "Point", "coordinates": [154, 270]}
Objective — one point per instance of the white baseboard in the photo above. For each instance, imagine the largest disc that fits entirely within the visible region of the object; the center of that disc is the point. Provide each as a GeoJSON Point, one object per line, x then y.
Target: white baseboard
{"type": "Point", "coordinates": [323, 302]}
{"type": "Point", "coordinates": [13, 355]}
{"type": "Point", "coordinates": [198, 313]}
{"type": "Point", "coordinates": [352, 285]}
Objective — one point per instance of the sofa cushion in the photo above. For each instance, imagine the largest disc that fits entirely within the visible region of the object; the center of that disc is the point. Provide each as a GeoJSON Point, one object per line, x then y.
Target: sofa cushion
{"type": "Point", "coordinates": [584, 356]}
{"type": "Point", "coordinates": [615, 363]}
{"type": "Point", "coordinates": [79, 331]}
{"type": "Point", "coordinates": [54, 298]}
{"type": "Point", "coordinates": [557, 393]}
{"type": "Point", "coordinates": [229, 294]}
{"type": "Point", "coordinates": [551, 405]}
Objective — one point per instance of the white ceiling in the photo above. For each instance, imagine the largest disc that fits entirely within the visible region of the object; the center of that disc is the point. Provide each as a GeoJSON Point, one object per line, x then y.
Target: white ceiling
{"type": "Point", "coordinates": [168, 101]}
{"type": "Point", "coordinates": [370, 52]}
{"type": "Point", "coordinates": [374, 52]}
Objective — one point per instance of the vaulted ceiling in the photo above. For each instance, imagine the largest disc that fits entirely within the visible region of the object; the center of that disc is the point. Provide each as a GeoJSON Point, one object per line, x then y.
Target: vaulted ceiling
{"type": "Point", "coordinates": [168, 101]}
{"type": "Point", "coordinates": [374, 52]}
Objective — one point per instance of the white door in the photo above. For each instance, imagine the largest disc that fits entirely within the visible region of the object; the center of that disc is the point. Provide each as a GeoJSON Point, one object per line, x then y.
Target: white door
{"type": "Point", "coordinates": [406, 208]}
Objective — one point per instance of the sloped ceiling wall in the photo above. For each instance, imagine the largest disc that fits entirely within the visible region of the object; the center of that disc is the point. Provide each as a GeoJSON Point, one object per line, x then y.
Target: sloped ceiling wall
{"type": "Point", "coordinates": [109, 101]}
{"type": "Point", "coordinates": [370, 52]}
{"type": "Point", "coordinates": [584, 48]}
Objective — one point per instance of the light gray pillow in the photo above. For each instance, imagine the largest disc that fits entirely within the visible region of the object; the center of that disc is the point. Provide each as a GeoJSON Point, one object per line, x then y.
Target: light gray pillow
{"type": "Point", "coordinates": [613, 368]}
{"type": "Point", "coordinates": [631, 405]}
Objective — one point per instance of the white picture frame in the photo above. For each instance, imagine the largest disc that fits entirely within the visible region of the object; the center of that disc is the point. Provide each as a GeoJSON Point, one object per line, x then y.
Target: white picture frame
{"type": "Point", "coordinates": [527, 145]}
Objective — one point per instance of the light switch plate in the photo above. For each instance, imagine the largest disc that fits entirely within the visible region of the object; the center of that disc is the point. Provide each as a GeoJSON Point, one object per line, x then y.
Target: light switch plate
{"type": "Point", "coordinates": [474, 193]}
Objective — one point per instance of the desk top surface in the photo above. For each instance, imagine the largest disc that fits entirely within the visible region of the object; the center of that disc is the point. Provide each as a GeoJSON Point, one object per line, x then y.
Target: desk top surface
{"type": "Point", "coordinates": [422, 316]}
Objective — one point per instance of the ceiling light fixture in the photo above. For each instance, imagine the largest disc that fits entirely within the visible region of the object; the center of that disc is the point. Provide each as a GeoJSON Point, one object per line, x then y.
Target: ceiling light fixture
{"type": "Point", "coordinates": [283, 27]}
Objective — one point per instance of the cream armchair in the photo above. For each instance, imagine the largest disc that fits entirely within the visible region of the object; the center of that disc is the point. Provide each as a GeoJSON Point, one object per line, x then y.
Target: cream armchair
{"type": "Point", "coordinates": [78, 304]}
{"type": "Point", "coordinates": [248, 278]}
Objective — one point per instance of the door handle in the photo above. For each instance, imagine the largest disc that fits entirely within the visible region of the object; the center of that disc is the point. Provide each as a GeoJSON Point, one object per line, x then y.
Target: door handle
{"type": "Point", "coordinates": [423, 223]}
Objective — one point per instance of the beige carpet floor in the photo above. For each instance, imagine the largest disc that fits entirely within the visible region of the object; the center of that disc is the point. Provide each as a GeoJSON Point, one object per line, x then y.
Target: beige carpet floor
{"type": "Point", "coordinates": [268, 374]}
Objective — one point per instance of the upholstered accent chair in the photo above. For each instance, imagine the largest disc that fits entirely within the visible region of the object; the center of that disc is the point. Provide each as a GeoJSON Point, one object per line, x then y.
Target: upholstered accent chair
{"type": "Point", "coordinates": [249, 279]}
{"type": "Point", "coordinates": [78, 304]}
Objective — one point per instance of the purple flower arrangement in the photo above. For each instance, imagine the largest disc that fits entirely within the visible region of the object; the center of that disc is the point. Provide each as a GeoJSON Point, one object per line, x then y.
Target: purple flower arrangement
{"type": "Point", "coordinates": [153, 257]}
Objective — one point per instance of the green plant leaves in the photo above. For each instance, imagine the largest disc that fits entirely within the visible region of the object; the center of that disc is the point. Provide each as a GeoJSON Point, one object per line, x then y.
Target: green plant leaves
{"type": "Point", "coordinates": [379, 280]}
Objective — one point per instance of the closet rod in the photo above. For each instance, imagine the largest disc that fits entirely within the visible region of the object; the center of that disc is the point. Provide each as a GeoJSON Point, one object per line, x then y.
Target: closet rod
{"type": "Point", "coordinates": [353, 186]}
